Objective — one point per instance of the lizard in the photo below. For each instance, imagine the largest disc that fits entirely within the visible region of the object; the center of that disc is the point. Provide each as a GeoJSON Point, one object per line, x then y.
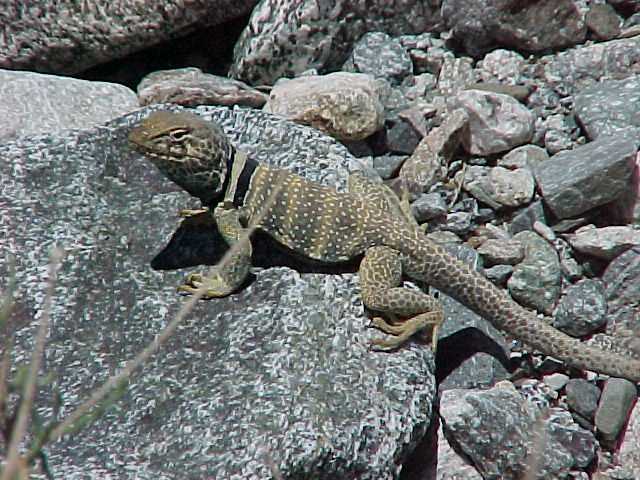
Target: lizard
{"type": "Point", "coordinates": [321, 224]}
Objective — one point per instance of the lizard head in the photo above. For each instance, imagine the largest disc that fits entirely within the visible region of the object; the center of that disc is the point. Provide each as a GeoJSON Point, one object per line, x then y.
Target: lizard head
{"type": "Point", "coordinates": [187, 149]}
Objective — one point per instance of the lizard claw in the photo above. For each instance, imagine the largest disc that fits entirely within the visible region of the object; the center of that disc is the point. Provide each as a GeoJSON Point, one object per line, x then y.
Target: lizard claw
{"type": "Point", "coordinates": [215, 286]}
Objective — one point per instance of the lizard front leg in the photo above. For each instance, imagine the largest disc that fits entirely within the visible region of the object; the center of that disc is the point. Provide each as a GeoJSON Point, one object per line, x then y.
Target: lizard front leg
{"type": "Point", "coordinates": [380, 280]}
{"type": "Point", "coordinates": [230, 273]}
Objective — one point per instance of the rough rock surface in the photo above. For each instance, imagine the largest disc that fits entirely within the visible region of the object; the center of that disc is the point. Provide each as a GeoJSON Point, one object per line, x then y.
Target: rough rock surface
{"type": "Point", "coordinates": [583, 308]}
{"type": "Point", "coordinates": [536, 280]}
{"type": "Point", "coordinates": [605, 242]}
{"type": "Point", "coordinates": [286, 37]}
{"type": "Point", "coordinates": [575, 69]}
{"type": "Point", "coordinates": [190, 87]}
{"type": "Point", "coordinates": [617, 400]}
{"type": "Point", "coordinates": [629, 452]}
{"type": "Point", "coordinates": [497, 122]}
{"type": "Point", "coordinates": [609, 107]}
{"type": "Point", "coordinates": [478, 421]}
{"type": "Point", "coordinates": [622, 284]}
{"type": "Point", "coordinates": [480, 26]}
{"type": "Point", "coordinates": [344, 105]}
{"type": "Point", "coordinates": [379, 55]}
{"type": "Point", "coordinates": [279, 373]}
{"type": "Point", "coordinates": [499, 187]}
{"type": "Point", "coordinates": [68, 36]}
{"type": "Point", "coordinates": [34, 103]}
{"type": "Point", "coordinates": [574, 181]}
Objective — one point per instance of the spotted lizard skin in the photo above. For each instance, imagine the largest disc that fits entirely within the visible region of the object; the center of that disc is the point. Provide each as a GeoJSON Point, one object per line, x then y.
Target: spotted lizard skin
{"type": "Point", "coordinates": [329, 226]}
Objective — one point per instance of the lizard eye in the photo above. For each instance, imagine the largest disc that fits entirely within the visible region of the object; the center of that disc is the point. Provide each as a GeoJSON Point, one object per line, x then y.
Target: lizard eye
{"type": "Point", "coordinates": [178, 135]}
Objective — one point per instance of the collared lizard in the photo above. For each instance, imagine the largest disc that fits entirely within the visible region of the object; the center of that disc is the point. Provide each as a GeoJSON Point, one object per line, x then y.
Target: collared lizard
{"type": "Point", "coordinates": [324, 225]}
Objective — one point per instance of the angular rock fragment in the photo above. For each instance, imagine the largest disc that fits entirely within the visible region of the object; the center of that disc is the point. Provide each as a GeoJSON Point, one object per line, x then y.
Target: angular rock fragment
{"type": "Point", "coordinates": [496, 122]}
{"type": "Point", "coordinates": [583, 308]}
{"type": "Point", "coordinates": [499, 187]}
{"type": "Point", "coordinates": [537, 279]}
{"type": "Point", "coordinates": [532, 26]}
{"type": "Point", "coordinates": [605, 242]}
{"type": "Point", "coordinates": [616, 401]}
{"type": "Point", "coordinates": [574, 181]}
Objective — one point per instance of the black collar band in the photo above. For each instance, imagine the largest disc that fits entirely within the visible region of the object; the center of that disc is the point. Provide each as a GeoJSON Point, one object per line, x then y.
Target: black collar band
{"type": "Point", "coordinates": [244, 179]}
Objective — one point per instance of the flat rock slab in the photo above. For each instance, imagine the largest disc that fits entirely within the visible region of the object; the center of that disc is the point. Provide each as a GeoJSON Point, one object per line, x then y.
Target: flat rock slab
{"type": "Point", "coordinates": [279, 373]}
{"type": "Point", "coordinates": [574, 181]}
{"type": "Point", "coordinates": [34, 103]}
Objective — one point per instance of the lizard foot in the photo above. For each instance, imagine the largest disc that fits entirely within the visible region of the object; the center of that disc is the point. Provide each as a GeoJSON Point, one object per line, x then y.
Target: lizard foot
{"type": "Point", "coordinates": [215, 286]}
{"type": "Point", "coordinates": [404, 330]}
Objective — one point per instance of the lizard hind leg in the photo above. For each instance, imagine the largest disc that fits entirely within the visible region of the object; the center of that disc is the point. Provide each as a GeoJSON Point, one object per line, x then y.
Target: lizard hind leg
{"type": "Point", "coordinates": [380, 281]}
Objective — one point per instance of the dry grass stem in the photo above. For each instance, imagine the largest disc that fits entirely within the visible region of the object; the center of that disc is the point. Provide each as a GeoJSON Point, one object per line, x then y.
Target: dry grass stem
{"type": "Point", "coordinates": [26, 404]}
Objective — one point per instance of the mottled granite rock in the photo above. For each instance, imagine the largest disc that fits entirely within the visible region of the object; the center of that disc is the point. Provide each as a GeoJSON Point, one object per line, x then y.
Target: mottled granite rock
{"type": "Point", "coordinates": [537, 279]}
{"type": "Point", "coordinates": [557, 133]}
{"type": "Point", "coordinates": [280, 372]}
{"type": "Point", "coordinates": [582, 397]}
{"type": "Point", "coordinates": [582, 309]}
{"type": "Point", "coordinates": [451, 464]}
{"type": "Point", "coordinates": [428, 206]}
{"type": "Point", "coordinates": [286, 37]}
{"type": "Point", "coordinates": [481, 26]}
{"type": "Point", "coordinates": [629, 453]}
{"type": "Point", "coordinates": [608, 107]}
{"type": "Point", "coordinates": [527, 156]}
{"type": "Point", "coordinates": [343, 105]}
{"type": "Point", "coordinates": [622, 286]}
{"type": "Point", "coordinates": [501, 252]}
{"type": "Point", "coordinates": [497, 428]}
{"type": "Point", "coordinates": [190, 87]}
{"type": "Point", "coordinates": [455, 74]}
{"type": "Point", "coordinates": [34, 103]}
{"type": "Point", "coordinates": [503, 66]}
{"type": "Point", "coordinates": [497, 122]}
{"type": "Point", "coordinates": [574, 181]}
{"type": "Point", "coordinates": [379, 55]}
{"type": "Point", "coordinates": [570, 71]}
{"type": "Point", "coordinates": [499, 187]}
{"type": "Point", "coordinates": [68, 36]}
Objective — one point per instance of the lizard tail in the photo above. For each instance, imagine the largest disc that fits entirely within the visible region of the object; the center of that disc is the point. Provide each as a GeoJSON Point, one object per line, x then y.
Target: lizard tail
{"type": "Point", "coordinates": [431, 263]}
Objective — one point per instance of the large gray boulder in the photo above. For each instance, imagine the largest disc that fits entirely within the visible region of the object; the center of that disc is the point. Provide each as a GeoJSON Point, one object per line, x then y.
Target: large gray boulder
{"type": "Point", "coordinates": [68, 36]}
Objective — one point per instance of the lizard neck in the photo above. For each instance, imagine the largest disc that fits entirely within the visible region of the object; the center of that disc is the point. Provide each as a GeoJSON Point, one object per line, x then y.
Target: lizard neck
{"type": "Point", "coordinates": [240, 170]}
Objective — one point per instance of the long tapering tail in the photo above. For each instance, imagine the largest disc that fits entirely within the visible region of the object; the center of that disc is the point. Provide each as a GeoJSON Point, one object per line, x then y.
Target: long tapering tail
{"type": "Point", "coordinates": [431, 263]}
